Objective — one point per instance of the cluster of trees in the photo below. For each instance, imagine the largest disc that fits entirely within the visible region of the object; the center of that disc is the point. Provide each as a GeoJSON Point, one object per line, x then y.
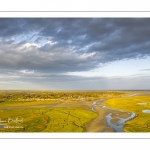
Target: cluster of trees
{"type": "Point", "coordinates": [63, 95]}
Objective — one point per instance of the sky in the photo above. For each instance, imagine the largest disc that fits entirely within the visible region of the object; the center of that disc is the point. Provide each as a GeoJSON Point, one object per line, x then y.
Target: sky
{"type": "Point", "coordinates": [74, 53]}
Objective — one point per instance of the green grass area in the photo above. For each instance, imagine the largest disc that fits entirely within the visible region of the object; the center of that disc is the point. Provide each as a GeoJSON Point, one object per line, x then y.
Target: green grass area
{"type": "Point", "coordinates": [133, 104]}
{"type": "Point", "coordinates": [46, 120]}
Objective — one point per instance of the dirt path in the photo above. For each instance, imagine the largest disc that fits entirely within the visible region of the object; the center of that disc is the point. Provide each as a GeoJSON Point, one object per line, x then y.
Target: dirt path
{"type": "Point", "coordinates": [28, 107]}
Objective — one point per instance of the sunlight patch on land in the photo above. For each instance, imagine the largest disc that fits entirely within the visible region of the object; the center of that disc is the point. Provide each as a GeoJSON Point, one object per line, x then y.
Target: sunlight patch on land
{"type": "Point", "coordinates": [131, 104]}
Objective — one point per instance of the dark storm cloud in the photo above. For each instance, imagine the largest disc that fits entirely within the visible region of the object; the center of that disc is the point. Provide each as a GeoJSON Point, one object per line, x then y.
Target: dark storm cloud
{"type": "Point", "coordinates": [73, 44]}
{"type": "Point", "coordinates": [27, 56]}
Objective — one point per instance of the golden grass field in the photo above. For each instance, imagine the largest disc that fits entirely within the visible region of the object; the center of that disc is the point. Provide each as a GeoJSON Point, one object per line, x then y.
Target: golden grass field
{"type": "Point", "coordinates": [70, 111]}
{"type": "Point", "coordinates": [141, 123]}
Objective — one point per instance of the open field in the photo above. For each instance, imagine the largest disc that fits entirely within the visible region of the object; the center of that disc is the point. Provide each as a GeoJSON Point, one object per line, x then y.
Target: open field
{"type": "Point", "coordinates": [73, 111]}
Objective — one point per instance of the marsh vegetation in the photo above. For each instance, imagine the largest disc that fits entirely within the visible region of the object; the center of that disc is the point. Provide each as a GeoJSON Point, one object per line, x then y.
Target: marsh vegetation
{"type": "Point", "coordinates": [72, 111]}
{"type": "Point", "coordinates": [136, 104]}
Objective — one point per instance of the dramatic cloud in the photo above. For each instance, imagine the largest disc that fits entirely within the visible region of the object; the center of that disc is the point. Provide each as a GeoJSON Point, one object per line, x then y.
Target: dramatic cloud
{"type": "Point", "coordinates": [71, 44]}
{"type": "Point", "coordinates": [52, 48]}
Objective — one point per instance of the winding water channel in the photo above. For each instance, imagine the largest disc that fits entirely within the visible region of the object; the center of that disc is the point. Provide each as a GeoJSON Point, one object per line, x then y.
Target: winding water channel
{"type": "Point", "coordinates": [113, 119]}
{"type": "Point", "coordinates": [108, 120]}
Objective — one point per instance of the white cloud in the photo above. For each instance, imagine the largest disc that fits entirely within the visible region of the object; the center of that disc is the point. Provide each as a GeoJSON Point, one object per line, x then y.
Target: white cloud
{"type": "Point", "coordinates": [27, 71]}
